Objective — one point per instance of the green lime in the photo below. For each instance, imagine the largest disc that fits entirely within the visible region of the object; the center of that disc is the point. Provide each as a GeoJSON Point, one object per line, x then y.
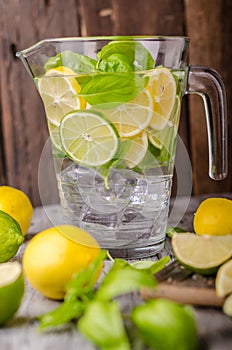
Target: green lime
{"type": "Point", "coordinates": [11, 237]}
{"type": "Point", "coordinates": [11, 290]}
{"type": "Point", "coordinates": [227, 306]}
{"type": "Point", "coordinates": [88, 137]}
{"type": "Point", "coordinates": [202, 253]}
{"type": "Point", "coordinates": [166, 325]}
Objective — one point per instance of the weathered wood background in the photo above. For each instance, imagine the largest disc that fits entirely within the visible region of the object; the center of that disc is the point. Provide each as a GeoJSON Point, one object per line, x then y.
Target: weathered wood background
{"type": "Point", "coordinates": [23, 131]}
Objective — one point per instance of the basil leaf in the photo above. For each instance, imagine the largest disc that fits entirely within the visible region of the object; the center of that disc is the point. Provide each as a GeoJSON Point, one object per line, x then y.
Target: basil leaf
{"type": "Point", "coordinates": [63, 314]}
{"type": "Point", "coordinates": [135, 52]}
{"type": "Point", "coordinates": [75, 61]}
{"type": "Point", "coordinates": [103, 88]}
{"type": "Point", "coordinates": [151, 266]}
{"type": "Point", "coordinates": [102, 323]}
{"type": "Point", "coordinates": [116, 63]}
{"type": "Point", "coordinates": [124, 278]}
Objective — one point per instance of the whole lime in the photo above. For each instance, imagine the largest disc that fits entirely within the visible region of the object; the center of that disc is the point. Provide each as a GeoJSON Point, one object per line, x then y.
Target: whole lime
{"type": "Point", "coordinates": [11, 290]}
{"type": "Point", "coordinates": [11, 236]}
{"type": "Point", "coordinates": [166, 325]}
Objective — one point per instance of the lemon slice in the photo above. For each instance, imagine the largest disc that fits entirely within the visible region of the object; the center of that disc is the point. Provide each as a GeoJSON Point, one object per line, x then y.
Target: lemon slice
{"type": "Point", "coordinates": [59, 91]}
{"type": "Point", "coordinates": [88, 137]}
{"type": "Point", "coordinates": [137, 150]}
{"type": "Point", "coordinates": [134, 116]}
{"type": "Point", "coordinates": [163, 87]}
{"type": "Point", "coordinates": [227, 306]}
{"type": "Point", "coordinates": [203, 254]}
{"type": "Point", "coordinates": [223, 282]}
{"type": "Point", "coordinates": [11, 290]}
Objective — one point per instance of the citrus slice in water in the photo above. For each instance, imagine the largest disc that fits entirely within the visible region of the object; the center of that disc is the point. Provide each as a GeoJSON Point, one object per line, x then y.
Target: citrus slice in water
{"type": "Point", "coordinates": [163, 87]}
{"type": "Point", "coordinates": [88, 137]}
{"type": "Point", "coordinates": [134, 116]}
{"type": "Point", "coordinates": [11, 290]}
{"type": "Point", "coordinates": [59, 91]}
{"type": "Point", "coordinates": [137, 150]}
{"type": "Point", "coordinates": [223, 282]}
{"type": "Point", "coordinates": [203, 254]}
{"type": "Point", "coordinates": [54, 132]}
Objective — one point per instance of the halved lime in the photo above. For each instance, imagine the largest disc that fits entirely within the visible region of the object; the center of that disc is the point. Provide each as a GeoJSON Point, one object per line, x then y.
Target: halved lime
{"type": "Point", "coordinates": [203, 254]}
{"type": "Point", "coordinates": [88, 137]}
{"type": "Point", "coordinates": [11, 290]}
{"type": "Point", "coordinates": [227, 306]}
{"type": "Point", "coordinates": [11, 236]}
{"type": "Point", "coordinates": [223, 282]}
{"type": "Point", "coordinates": [59, 90]}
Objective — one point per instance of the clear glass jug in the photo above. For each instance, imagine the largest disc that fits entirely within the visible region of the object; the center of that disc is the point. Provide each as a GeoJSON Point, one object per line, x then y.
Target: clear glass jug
{"type": "Point", "coordinates": [113, 107]}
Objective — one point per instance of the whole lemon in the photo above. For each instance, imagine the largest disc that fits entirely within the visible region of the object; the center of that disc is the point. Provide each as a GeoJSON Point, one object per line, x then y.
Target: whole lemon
{"type": "Point", "coordinates": [214, 217]}
{"type": "Point", "coordinates": [54, 255]}
{"type": "Point", "coordinates": [17, 204]}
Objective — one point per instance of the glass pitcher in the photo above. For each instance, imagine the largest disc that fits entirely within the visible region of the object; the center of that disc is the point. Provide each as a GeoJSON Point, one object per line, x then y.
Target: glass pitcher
{"type": "Point", "coordinates": [113, 106]}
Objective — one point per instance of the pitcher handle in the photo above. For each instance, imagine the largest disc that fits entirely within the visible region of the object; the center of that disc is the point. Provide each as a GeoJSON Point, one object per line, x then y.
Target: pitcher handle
{"type": "Point", "coordinates": [207, 83]}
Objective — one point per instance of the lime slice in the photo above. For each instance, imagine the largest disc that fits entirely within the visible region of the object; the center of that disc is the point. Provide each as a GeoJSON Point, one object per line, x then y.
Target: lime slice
{"type": "Point", "coordinates": [203, 254]}
{"type": "Point", "coordinates": [59, 91]}
{"type": "Point", "coordinates": [88, 137]}
{"type": "Point", "coordinates": [137, 150]}
{"type": "Point", "coordinates": [163, 87]}
{"type": "Point", "coordinates": [54, 132]}
{"type": "Point", "coordinates": [132, 117]}
{"type": "Point", "coordinates": [11, 290]}
{"type": "Point", "coordinates": [227, 306]}
{"type": "Point", "coordinates": [223, 282]}
{"type": "Point", "coordinates": [11, 237]}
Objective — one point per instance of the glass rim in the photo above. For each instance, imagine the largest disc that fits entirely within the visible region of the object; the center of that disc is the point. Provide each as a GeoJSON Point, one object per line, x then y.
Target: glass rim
{"type": "Point", "coordinates": [156, 38]}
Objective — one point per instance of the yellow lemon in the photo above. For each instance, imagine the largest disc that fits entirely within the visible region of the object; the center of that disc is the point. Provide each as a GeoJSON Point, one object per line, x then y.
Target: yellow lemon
{"type": "Point", "coordinates": [54, 255]}
{"type": "Point", "coordinates": [213, 217]}
{"type": "Point", "coordinates": [17, 204]}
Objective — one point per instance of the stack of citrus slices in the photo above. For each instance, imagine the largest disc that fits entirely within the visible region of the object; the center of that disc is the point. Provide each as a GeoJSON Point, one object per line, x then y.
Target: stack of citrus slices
{"type": "Point", "coordinates": [93, 136]}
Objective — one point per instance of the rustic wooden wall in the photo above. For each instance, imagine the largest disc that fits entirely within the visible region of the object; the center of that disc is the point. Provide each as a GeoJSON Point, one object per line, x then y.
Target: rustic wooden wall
{"type": "Point", "coordinates": [23, 131]}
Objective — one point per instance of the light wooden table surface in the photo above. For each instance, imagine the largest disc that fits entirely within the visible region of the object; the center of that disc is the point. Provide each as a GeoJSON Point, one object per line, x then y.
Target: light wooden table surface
{"type": "Point", "coordinates": [21, 333]}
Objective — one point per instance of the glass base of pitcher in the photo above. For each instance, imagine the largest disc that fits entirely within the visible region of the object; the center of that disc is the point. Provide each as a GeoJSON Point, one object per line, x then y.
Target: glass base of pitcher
{"type": "Point", "coordinates": [137, 253]}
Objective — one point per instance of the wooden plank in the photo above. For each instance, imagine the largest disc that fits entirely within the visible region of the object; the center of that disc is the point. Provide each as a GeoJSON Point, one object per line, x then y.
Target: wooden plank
{"type": "Point", "coordinates": [23, 118]}
{"type": "Point", "coordinates": [207, 47]}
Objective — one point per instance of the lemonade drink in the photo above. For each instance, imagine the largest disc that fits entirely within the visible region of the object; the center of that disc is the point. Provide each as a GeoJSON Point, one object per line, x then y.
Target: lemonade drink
{"type": "Point", "coordinates": [113, 129]}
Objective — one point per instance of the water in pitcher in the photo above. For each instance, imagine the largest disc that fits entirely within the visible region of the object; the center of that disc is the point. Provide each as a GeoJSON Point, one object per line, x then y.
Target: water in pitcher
{"type": "Point", "coordinates": [114, 138]}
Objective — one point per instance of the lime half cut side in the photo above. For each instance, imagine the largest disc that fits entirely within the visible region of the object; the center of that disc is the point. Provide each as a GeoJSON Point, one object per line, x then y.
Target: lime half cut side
{"type": "Point", "coordinates": [11, 290]}
{"type": "Point", "coordinates": [88, 137]}
{"type": "Point", "coordinates": [223, 282]}
{"type": "Point", "coordinates": [202, 254]}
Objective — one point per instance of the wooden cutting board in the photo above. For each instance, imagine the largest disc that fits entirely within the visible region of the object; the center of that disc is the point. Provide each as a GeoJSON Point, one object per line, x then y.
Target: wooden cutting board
{"type": "Point", "coordinates": [181, 285]}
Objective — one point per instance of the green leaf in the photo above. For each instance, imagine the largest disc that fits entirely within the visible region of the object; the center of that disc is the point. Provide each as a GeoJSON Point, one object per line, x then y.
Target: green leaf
{"type": "Point", "coordinates": [105, 88]}
{"type": "Point", "coordinates": [75, 61]}
{"type": "Point", "coordinates": [166, 325]}
{"type": "Point", "coordinates": [63, 314]}
{"type": "Point", "coordinates": [151, 266]}
{"type": "Point", "coordinates": [103, 325]}
{"type": "Point", "coordinates": [134, 51]}
{"type": "Point", "coordinates": [82, 284]}
{"type": "Point", "coordinates": [116, 63]}
{"type": "Point", "coordinates": [124, 278]}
